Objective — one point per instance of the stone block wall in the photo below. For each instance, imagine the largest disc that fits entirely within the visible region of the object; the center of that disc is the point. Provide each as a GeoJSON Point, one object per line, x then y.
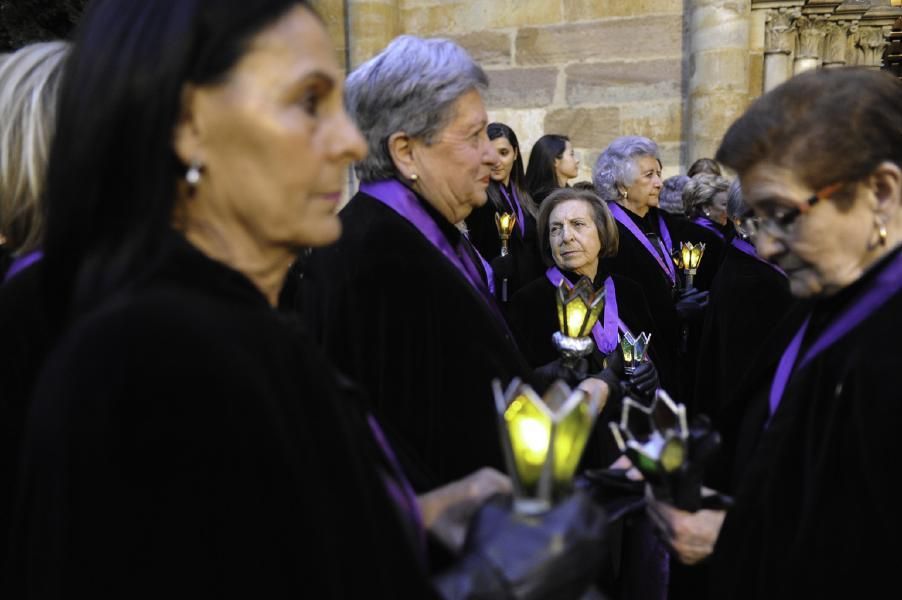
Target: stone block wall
{"type": "Point", "coordinates": [589, 69]}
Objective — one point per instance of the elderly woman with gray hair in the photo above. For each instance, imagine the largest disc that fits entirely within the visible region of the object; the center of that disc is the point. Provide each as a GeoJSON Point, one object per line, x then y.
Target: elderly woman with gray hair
{"type": "Point", "coordinates": [705, 199]}
{"type": "Point", "coordinates": [403, 303]}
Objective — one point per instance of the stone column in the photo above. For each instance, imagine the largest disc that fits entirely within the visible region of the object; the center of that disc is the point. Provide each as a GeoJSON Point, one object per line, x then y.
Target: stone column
{"type": "Point", "coordinates": [718, 71]}
{"type": "Point", "coordinates": [372, 24]}
{"type": "Point", "coordinates": [812, 32]}
{"type": "Point", "coordinates": [779, 45]}
{"type": "Point", "coordinates": [868, 43]}
{"type": "Point", "coordinates": [835, 44]}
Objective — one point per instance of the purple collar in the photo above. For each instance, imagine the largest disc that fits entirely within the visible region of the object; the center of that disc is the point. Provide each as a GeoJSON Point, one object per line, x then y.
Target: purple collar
{"type": "Point", "coordinates": [403, 201]}
{"type": "Point", "coordinates": [606, 335]}
{"type": "Point", "coordinates": [746, 248]}
{"type": "Point", "coordinates": [666, 265]}
{"type": "Point", "coordinates": [884, 286]}
{"type": "Point", "coordinates": [23, 262]}
{"type": "Point", "coordinates": [514, 202]}
{"type": "Point", "coordinates": [709, 225]}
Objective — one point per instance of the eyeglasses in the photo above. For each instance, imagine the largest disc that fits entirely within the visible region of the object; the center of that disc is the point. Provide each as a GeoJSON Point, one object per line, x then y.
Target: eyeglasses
{"type": "Point", "coordinates": [781, 223]}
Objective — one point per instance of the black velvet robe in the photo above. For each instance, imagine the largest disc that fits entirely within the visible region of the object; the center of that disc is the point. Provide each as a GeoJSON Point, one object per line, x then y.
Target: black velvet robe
{"type": "Point", "coordinates": [747, 299]}
{"type": "Point", "coordinates": [397, 317]}
{"type": "Point", "coordinates": [634, 262]}
{"type": "Point", "coordinates": [816, 512]}
{"type": "Point", "coordinates": [185, 439]}
{"type": "Point", "coordinates": [684, 230]}
{"type": "Point", "coordinates": [524, 249]}
{"type": "Point", "coordinates": [532, 314]}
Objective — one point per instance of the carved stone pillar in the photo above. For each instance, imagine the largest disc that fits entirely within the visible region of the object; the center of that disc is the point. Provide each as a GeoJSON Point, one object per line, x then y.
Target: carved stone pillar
{"type": "Point", "coordinates": [779, 44]}
{"type": "Point", "coordinates": [812, 32]}
{"type": "Point", "coordinates": [719, 71]}
{"type": "Point", "coordinates": [868, 44]}
{"type": "Point", "coordinates": [835, 44]}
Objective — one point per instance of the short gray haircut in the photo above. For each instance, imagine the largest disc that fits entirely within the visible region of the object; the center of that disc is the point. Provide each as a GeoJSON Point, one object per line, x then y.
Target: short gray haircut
{"type": "Point", "coordinates": [30, 79]}
{"type": "Point", "coordinates": [411, 86]}
{"type": "Point", "coordinates": [700, 191]}
{"type": "Point", "coordinates": [736, 206]}
{"type": "Point", "coordinates": [617, 164]}
{"type": "Point", "coordinates": [671, 198]}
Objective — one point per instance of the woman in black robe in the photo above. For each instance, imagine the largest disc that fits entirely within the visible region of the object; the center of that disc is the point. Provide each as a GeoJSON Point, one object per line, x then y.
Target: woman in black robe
{"type": "Point", "coordinates": [402, 303]}
{"type": "Point", "coordinates": [507, 194]}
{"type": "Point", "coordinates": [820, 163]}
{"type": "Point", "coordinates": [184, 434]}
{"type": "Point", "coordinates": [552, 163]}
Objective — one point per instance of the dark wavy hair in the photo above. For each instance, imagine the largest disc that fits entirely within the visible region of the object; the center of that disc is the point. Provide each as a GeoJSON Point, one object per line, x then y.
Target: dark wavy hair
{"type": "Point", "coordinates": [517, 179]}
{"type": "Point", "coordinates": [541, 178]}
{"type": "Point", "coordinates": [112, 172]}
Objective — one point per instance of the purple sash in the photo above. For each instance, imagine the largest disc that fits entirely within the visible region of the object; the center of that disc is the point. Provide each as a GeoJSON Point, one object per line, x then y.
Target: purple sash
{"type": "Point", "coordinates": [605, 336]}
{"type": "Point", "coordinates": [884, 286]}
{"type": "Point", "coordinates": [22, 263]}
{"type": "Point", "coordinates": [403, 201]}
{"type": "Point", "coordinates": [746, 248]}
{"type": "Point", "coordinates": [514, 202]}
{"type": "Point", "coordinates": [709, 225]}
{"type": "Point", "coordinates": [667, 265]}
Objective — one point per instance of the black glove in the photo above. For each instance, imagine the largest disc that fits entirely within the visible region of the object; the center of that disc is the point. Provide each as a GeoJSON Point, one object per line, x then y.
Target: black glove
{"type": "Point", "coordinates": [691, 304]}
{"type": "Point", "coordinates": [552, 555]}
{"type": "Point", "coordinates": [643, 382]}
{"type": "Point", "coordinates": [503, 268]}
{"type": "Point", "coordinates": [614, 375]}
{"type": "Point", "coordinates": [556, 369]}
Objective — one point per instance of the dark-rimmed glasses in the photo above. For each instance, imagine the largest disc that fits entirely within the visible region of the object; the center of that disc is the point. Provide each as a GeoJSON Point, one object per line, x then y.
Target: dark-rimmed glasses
{"type": "Point", "coordinates": [781, 223]}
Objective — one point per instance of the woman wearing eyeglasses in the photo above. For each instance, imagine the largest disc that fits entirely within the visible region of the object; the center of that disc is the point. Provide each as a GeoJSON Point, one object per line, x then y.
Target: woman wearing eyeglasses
{"type": "Point", "coordinates": [820, 163]}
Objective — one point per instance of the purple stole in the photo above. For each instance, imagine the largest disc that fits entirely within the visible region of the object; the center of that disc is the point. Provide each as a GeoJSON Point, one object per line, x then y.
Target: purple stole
{"type": "Point", "coordinates": [666, 264]}
{"type": "Point", "coordinates": [22, 263]}
{"type": "Point", "coordinates": [885, 285]}
{"type": "Point", "coordinates": [403, 201]}
{"type": "Point", "coordinates": [514, 202]}
{"type": "Point", "coordinates": [746, 248]}
{"type": "Point", "coordinates": [709, 225]}
{"type": "Point", "coordinates": [606, 335]}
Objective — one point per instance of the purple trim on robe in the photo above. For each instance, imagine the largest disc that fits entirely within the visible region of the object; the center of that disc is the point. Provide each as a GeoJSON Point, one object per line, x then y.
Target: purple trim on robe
{"type": "Point", "coordinates": [514, 202]}
{"type": "Point", "coordinates": [746, 248]}
{"type": "Point", "coordinates": [403, 201]}
{"type": "Point", "coordinates": [398, 487]}
{"type": "Point", "coordinates": [884, 286]}
{"type": "Point", "coordinates": [709, 225]}
{"type": "Point", "coordinates": [667, 265]}
{"type": "Point", "coordinates": [605, 336]}
{"type": "Point", "coordinates": [23, 262]}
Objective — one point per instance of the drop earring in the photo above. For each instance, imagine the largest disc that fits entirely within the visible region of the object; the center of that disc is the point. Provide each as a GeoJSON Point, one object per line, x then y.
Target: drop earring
{"type": "Point", "coordinates": [194, 172]}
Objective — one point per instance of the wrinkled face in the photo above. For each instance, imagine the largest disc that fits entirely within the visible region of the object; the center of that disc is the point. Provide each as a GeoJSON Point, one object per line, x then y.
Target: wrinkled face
{"type": "Point", "coordinates": [573, 237]}
{"type": "Point", "coordinates": [717, 210]}
{"type": "Point", "coordinates": [454, 170]}
{"type": "Point", "coordinates": [274, 140]}
{"type": "Point", "coordinates": [501, 171]}
{"type": "Point", "coordinates": [646, 188]}
{"type": "Point", "coordinates": [567, 166]}
{"type": "Point", "coordinates": [824, 248]}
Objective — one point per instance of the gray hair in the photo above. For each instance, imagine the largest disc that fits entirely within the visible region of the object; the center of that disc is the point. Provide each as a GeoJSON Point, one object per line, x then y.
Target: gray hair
{"type": "Point", "coordinates": [700, 191]}
{"type": "Point", "coordinates": [617, 164]}
{"type": "Point", "coordinates": [411, 86]}
{"type": "Point", "coordinates": [736, 206]}
{"type": "Point", "coordinates": [29, 84]}
{"type": "Point", "coordinates": [671, 198]}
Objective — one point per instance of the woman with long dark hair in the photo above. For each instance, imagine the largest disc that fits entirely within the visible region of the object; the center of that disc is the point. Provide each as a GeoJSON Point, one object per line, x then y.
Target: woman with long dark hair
{"type": "Point", "coordinates": [552, 163]}
{"type": "Point", "coordinates": [507, 194]}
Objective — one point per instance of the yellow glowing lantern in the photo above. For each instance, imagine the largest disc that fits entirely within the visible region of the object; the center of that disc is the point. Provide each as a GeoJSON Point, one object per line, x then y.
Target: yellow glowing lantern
{"type": "Point", "coordinates": [543, 438]}
{"type": "Point", "coordinates": [578, 307]}
{"type": "Point", "coordinates": [505, 223]}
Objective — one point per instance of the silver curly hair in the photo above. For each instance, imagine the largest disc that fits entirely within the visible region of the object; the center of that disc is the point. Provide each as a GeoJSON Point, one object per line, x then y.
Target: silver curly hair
{"type": "Point", "coordinates": [617, 164]}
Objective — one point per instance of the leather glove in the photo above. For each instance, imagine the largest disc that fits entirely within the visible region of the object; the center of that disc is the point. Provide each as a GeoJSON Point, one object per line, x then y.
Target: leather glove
{"type": "Point", "coordinates": [691, 304]}
{"type": "Point", "coordinates": [552, 555]}
{"type": "Point", "coordinates": [644, 381]}
{"type": "Point", "coordinates": [556, 369]}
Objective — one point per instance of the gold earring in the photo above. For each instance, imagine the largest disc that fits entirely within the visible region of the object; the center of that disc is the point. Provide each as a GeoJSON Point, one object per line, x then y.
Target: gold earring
{"type": "Point", "coordinates": [881, 232]}
{"type": "Point", "coordinates": [413, 178]}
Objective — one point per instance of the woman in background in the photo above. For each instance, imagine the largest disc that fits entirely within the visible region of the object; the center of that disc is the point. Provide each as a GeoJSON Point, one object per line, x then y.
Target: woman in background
{"type": "Point", "coordinates": [507, 194]}
{"type": "Point", "coordinates": [552, 163]}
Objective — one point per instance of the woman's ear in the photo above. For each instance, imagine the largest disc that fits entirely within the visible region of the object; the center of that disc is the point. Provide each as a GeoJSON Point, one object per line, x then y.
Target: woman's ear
{"type": "Point", "coordinates": [886, 182]}
{"type": "Point", "coordinates": [186, 133]}
{"type": "Point", "coordinates": [400, 148]}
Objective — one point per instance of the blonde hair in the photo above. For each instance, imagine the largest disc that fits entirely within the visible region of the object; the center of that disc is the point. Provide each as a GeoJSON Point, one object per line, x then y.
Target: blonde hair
{"type": "Point", "coordinates": [29, 82]}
